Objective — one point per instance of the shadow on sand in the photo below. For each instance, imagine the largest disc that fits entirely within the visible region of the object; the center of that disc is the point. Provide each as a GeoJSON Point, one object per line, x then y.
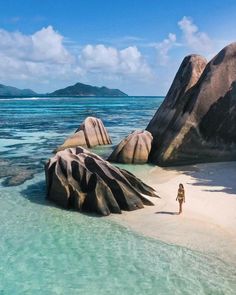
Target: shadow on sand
{"type": "Point", "coordinates": [167, 213]}
{"type": "Point", "coordinates": [216, 177]}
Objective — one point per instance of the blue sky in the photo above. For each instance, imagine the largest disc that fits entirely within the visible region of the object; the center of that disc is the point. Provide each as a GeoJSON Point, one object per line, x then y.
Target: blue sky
{"type": "Point", "coordinates": [136, 46]}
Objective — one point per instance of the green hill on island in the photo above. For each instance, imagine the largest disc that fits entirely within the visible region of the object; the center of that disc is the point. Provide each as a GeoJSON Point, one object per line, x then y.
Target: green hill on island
{"type": "Point", "coordinates": [13, 91]}
{"type": "Point", "coordinates": [80, 89]}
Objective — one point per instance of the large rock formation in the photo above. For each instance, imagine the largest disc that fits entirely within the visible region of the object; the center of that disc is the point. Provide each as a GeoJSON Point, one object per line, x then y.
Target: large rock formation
{"type": "Point", "coordinates": [82, 180]}
{"type": "Point", "coordinates": [134, 149]}
{"type": "Point", "coordinates": [90, 133]}
{"type": "Point", "coordinates": [197, 120]}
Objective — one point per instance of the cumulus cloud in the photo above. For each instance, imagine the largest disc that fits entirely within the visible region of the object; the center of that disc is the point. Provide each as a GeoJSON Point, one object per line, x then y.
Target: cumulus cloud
{"type": "Point", "coordinates": [190, 39]}
{"type": "Point", "coordinates": [132, 61]}
{"type": "Point", "coordinates": [30, 57]}
{"type": "Point", "coordinates": [101, 58]}
{"type": "Point", "coordinates": [48, 45]}
{"type": "Point", "coordinates": [195, 39]}
{"type": "Point", "coordinates": [46, 55]}
{"type": "Point", "coordinates": [164, 47]}
{"type": "Point", "coordinates": [44, 45]}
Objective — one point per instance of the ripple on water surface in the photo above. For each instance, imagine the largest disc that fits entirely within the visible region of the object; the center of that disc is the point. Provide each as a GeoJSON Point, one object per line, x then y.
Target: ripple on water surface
{"type": "Point", "coordinates": [46, 250]}
{"type": "Point", "coordinates": [32, 128]}
{"type": "Point", "coordinates": [64, 252]}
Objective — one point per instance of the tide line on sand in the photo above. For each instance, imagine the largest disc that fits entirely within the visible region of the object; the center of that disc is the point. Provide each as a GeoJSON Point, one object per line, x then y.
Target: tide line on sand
{"type": "Point", "coordinates": [208, 221]}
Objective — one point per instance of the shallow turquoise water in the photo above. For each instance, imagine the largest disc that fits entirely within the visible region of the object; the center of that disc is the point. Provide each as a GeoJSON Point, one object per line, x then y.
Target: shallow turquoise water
{"type": "Point", "coordinates": [46, 250]}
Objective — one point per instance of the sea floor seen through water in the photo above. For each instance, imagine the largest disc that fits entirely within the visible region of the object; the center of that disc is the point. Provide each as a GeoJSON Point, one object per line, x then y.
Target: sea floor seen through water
{"type": "Point", "coordinates": [47, 250]}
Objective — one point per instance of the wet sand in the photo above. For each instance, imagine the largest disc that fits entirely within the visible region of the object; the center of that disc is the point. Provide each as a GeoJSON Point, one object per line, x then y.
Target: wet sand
{"type": "Point", "coordinates": [208, 221]}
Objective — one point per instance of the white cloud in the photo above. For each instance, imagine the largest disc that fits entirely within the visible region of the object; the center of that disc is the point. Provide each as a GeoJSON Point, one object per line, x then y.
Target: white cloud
{"type": "Point", "coordinates": [132, 62]}
{"type": "Point", "coordinates": [47, 56]}
{"type": "Point", "coordinates": [101, 58]}
{"type": "Point", "coordinates": [38, 57]}
{"type": "Point", "coordinates": [194, 39]}
{"type": "Point", "coordinates": [164, 47]}
{"type": "Point", "coordinates": [44, 45]}
{"type": "Point", "coordinates": [48, 45]}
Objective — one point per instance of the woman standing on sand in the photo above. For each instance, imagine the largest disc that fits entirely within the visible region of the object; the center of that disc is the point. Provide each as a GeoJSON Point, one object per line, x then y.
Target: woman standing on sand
{"type": "Point", "coordinates": [180, 197]}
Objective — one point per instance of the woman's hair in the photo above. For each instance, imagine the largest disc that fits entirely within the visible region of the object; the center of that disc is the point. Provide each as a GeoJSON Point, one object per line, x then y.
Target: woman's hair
{"type": "Point", "coordinates": [181, 185]}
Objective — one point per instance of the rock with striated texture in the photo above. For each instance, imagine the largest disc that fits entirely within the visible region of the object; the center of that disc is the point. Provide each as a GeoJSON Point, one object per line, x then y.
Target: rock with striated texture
{"type": "Point", "coordinates": [200, 124]}
{"type": "Point", "coordinates": [134, 149]}
{"type": "Point", "coordinates": [91, 133]}
{"type": "Point", "coordinates": [82, 180]}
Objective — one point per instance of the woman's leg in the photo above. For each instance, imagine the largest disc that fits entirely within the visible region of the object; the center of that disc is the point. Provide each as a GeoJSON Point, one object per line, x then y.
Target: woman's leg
{"type": "Point", "coordinates": [180, 206]}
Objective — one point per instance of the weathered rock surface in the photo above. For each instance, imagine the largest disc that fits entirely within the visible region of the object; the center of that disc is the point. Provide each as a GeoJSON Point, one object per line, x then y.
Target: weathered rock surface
{"type": "Point", "coordinates": [134, 149]}
{"type": "Point", "coordinates": [82, 180]}
{"type": "Point", "coordinates": [91, 133]}
{"type": "Point", "coordinates": [198, 123]}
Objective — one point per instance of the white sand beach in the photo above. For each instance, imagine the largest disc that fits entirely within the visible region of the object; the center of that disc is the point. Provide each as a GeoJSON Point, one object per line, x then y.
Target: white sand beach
{"type": "Point", "coordinates": [208, 221]}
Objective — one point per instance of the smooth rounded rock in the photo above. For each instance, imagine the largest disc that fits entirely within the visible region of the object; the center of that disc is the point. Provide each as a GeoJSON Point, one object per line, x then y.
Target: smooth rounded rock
{"type": "Point", "coordinates": [134, 149]}
{"type": "Point", "coordinates": [91, 133]}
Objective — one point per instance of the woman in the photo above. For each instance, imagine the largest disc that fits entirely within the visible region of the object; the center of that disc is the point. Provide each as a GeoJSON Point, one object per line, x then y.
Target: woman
{"type": "Point", "coordinates": [180, 197]}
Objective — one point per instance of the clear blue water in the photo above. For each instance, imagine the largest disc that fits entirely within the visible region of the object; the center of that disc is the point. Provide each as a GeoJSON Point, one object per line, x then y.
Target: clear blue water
{"type": "Point", "coordinates": [46, 250]}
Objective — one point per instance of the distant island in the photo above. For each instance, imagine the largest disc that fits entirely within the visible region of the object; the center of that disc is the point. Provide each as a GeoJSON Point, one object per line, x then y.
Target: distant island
{"type": "Point", "coordinates": [79, 89]}
{"type": "Point", "coordinates": [13, 91]}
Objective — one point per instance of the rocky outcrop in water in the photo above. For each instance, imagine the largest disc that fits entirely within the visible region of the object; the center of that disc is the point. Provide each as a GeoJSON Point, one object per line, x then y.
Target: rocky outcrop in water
{"type": "Point", "coordinates": [134, 149]}
{"type": "Point", "coordinates": [91, 133]}
{"type": "Point", "coordinates": [197, 120]}
{"type": "Point", "coordinates": [83, 181]}
{"type": "Point", "coordinates": [13, 173]}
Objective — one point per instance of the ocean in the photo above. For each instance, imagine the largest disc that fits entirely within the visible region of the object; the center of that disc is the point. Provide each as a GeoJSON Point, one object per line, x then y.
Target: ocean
{"type": "Point", "coordinates": [47, 250]}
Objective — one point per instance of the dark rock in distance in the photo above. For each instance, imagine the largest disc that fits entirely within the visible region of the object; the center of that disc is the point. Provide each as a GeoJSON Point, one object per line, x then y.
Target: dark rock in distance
{"type": "Point", "coordinates": [134, 149]}
{"type": "Point", "coordinates": [197, 123]}
{"type": "Point", "coordinates": [79, 179]}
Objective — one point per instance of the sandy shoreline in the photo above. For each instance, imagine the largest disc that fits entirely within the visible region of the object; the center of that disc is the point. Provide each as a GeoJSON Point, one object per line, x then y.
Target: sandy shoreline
{"type": "Point", "coordinates": [208, 222]}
